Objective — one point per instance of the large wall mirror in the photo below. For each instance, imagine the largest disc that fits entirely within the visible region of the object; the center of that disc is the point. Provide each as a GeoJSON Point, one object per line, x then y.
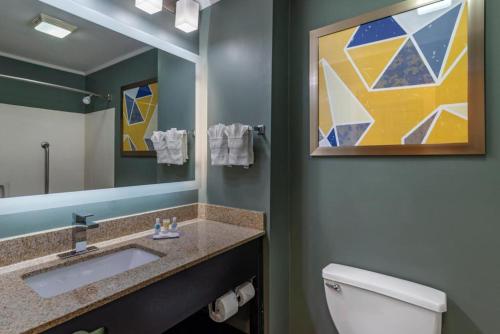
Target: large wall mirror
{"type": "Point", "coordinates": [78, 112]}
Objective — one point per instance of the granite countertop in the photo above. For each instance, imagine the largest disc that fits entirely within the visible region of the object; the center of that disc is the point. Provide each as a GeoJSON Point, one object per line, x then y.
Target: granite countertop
{"type": "Point", "coordinates": [22, 310]}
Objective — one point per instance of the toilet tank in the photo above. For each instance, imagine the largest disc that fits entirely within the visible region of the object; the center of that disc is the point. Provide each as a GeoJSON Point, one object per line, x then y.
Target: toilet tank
{"type": "Point", "coordinates": [364, 302]}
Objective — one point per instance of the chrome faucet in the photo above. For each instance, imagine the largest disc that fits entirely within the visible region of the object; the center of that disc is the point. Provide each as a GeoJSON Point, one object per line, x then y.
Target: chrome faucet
{"type": "Point", "coordinates": [79, 235]}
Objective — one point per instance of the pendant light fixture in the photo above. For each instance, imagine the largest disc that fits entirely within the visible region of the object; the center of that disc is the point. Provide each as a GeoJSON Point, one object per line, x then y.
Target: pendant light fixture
{"type": "Point", "coordinates": [149, 6]}
{"type": "Point", "coordinates": [187, 14]}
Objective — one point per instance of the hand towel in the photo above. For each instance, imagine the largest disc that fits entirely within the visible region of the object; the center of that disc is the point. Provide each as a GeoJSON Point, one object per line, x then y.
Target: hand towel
{"type": "Point", "coordinates": [185, 155]}
{"type": "Point", "coordinates": [240, 143]}
{"type": "Point", "coordinates": [171, 146]}
{"type": "Point", "coordinates": [160, 145]}
{"type": "Point", "coordinates": [175, 146]}
{"type": "Point", "coordinates": [219, 151]}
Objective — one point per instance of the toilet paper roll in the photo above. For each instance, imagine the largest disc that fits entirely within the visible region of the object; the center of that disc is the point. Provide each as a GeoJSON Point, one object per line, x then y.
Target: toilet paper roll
{"type": "Point", "coordinates": [225, 307]}
{"type": "Point", "coordinates": [244, 293]}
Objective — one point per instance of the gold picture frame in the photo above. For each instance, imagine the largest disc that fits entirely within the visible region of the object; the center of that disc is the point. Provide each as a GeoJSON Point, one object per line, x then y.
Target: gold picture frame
{"type": "Point", "coordinates": [473, 12]}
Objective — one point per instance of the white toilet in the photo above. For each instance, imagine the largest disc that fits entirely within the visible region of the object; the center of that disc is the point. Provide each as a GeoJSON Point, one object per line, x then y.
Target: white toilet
{"type": "Point", "coordinates": [364, 302]}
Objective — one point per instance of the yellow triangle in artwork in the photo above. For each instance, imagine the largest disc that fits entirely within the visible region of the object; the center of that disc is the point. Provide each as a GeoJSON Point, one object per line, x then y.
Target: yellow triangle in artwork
{"type": "Point", "coordinates": [126, 145]}
{"type": "Point", "coordinates": [372, 59]}
{"type": "Point", "coordinates": [449, 129]}
{"type": "Point", "coordinates": [459, 42]}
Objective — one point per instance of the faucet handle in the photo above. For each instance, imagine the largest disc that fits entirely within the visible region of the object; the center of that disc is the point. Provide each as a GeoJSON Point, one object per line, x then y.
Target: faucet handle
{"type": "Point", "coordinates": [81, 218]}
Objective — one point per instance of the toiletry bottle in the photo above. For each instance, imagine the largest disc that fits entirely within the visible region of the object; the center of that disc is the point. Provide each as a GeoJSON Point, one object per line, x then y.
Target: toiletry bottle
{"type": "Point", "coordinates": [173, 226]}
{"type": "Point", "coordinates": [166, 223]}
{"type": "Point", "coordinates": [157, 226]}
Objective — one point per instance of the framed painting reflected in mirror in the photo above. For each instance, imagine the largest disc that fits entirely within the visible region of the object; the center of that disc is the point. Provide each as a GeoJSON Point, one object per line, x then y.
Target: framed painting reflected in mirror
{"type": "Point", "coordinates": [139, 117]}
{"type": "Point", "coordinates": [404, 80]}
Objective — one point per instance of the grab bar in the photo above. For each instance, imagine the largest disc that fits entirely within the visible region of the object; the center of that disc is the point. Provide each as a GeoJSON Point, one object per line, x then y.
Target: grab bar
{"type": "Point", "coordinates": [45, 145]}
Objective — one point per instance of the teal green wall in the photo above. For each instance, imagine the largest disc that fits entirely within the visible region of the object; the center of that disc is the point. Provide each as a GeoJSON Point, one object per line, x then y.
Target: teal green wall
{"type": "Point", "coordinates": [35, 96]}
{"type": "Point", "coordinates": [131, 171]}
{"type": "Point", "coordinates": [128, 170]}
{"type": "Point", "coordinates": [279, 220]}
{"type": "Point", "coordinates": [245, 83]}
{"type": "Point", "coordinates": [239, 91]}
{"type": "Point", "coordinates": [432, 220]}
{"type": "Point", "coordinates": [177, 109]}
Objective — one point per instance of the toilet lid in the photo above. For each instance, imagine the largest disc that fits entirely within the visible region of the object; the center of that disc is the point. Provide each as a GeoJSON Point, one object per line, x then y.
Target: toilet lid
{"type": "Point", "coordinates": [406, 291]}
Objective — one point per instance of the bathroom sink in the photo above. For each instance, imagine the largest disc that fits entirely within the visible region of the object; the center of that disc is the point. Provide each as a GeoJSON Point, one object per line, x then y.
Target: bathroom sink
{"type": "Point", "coordinates": [55, 282]}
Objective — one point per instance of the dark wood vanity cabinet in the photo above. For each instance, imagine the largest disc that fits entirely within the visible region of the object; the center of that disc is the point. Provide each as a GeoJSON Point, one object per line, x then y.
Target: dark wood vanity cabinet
{"type": "Point", "coordinates": [160, 306]}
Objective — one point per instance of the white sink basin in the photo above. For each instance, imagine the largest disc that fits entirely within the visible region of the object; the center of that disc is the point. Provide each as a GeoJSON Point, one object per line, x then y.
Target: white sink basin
{"type": "Point", "coordinates": [64, 279]}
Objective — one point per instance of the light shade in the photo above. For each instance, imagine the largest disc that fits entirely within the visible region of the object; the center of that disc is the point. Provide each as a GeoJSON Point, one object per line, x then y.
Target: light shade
{"type": "Point", "coordinates": [186, 15]}
{"type": "Point", "coordinates": [149, 6]}
{"type": "Point", "coordinates": [52, 26]}
{"type": "Point", "coordinates": [434, 7]}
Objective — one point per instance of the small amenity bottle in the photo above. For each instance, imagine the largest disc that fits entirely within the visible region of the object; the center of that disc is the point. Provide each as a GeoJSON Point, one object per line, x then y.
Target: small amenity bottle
{"type": "Point", "coordinates": [157, 226]}
{"type": "Point", "coordinates": [166, 223]}
{"type": "Point", "coordinates": [173, 226]}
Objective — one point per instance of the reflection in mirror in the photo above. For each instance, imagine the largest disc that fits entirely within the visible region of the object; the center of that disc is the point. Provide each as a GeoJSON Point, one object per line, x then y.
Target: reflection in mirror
{"type": "Point", "coordinates": [80, 103]}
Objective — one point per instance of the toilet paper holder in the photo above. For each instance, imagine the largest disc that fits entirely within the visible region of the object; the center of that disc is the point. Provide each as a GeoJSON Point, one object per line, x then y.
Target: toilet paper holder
{"type": "Point", "coordinates": [248, 293]}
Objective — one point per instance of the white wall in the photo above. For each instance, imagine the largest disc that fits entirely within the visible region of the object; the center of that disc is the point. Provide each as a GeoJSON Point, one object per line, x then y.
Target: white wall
{"type": "Point", "coordinates": [22, 129]}
{"type": "Point", "coordinates": [100, 149]}
{"type": "Point", "coordinates": [81, 150]}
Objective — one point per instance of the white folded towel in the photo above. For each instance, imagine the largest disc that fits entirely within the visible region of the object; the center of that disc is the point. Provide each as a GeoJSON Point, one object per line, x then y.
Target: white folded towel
{"type": "Point", "coordinates": [185, 155]}
{"type": "Point", "coordinates": [240, 143]}
{"type": "Point", "coordinates": [176, 146]}
{"type": "Point", "coordinates": [160, 145]}
{"type": "Point", "coordinates": [170, 146]}
{"type": "Point", "coordinates": [219, 151]}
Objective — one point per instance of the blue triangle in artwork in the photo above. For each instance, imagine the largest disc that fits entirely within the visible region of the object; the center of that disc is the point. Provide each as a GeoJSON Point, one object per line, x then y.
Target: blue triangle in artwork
{"type": "Point", "coordinates": [407, 69]}
{"type": "Point", "coordinates": [129, 102]}
{"type": "Point", "coordinates": [377, 31]}
{"type": "Point", "coordinates": [143, 91]}
{"type": "Point", "coordinates": [149, 144]}
{"type": "Point", "coordinates": [434, 39]}
{"type": "Point", "coordinates": [349, 134]}
{"type": "Point", "coordinates": [135, 116]}
{"type": "Point", "coordinates": [332, 138]}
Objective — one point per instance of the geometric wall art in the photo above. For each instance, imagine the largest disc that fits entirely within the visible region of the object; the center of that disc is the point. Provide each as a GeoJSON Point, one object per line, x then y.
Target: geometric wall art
{"type": "Point", "coordinates": [404, 80]}
{"type": "Point", "coordinates": [139, 117]}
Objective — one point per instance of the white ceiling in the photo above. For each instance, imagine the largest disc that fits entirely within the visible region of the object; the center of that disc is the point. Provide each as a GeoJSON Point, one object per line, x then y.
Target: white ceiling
{"type": "Point", "coordinates": [89, 48]}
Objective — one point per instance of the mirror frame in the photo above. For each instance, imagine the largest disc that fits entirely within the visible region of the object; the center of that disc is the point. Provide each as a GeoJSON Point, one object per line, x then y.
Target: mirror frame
{"type": "Point", "coordinates": [57, 200]}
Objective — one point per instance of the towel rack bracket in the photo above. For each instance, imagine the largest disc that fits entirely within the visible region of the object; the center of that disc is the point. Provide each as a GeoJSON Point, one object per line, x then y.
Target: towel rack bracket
{"type": "Point", "coordinates": [260, 129]}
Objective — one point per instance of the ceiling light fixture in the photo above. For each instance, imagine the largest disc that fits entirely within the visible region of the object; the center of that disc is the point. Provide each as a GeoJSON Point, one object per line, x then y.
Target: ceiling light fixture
{"type": "Point", "coordinates": [186, 15]}
{"type": "Point", "coordinates": [150, 6]}
{"type": "Point", "coordinates": [52, 26]}
{"type": "Point", "coordinates": [434, 7]}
